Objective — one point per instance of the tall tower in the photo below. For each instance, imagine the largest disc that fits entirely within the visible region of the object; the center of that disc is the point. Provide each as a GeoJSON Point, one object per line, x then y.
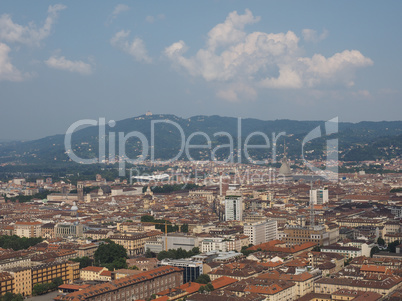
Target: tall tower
{"type": "Point", "coordinates": [233, 208]}
{"type": "Point", "coordinates": [80, 191]}
{"type": "Point", "coordinates": [284, 170]}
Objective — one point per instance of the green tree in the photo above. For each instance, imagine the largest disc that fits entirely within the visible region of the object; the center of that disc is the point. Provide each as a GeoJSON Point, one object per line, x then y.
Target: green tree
{"type": "Point", "coordinates": [11, 297]}
{"type": "Point", "coordinates": [316, 249]}
{"type": "Point", "coordinates": [381, 241]}
{"type": "Point", "coordinates": [84, 261]}
{"type": "Point", "coordinates": [184, 228]}
{"type": "Point", "coordinates": [374, 250]}
{"type": "Point", "coordinates": [57, 281]}
{"type": "Point", "coordinates": [149, 254]}
{"type": "Point", "coordinates": [392, 246]}
{"type": "Point", "coordinates": [134, 267]}
{"type": "Point", "coordinates": [18, 243]}
{"type": "Point", "coordinates": [203, 279]}
{"type": "Point", "coordinates": [147, 219]}
{"type": "Point", "coordinates": [109, 252]}
{"type": "Point", "coordinates": [39, 289]}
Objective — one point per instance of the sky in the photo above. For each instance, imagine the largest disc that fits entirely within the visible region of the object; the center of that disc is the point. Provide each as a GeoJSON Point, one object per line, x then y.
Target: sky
{"type": "Point", "coordinates": [63, 61]}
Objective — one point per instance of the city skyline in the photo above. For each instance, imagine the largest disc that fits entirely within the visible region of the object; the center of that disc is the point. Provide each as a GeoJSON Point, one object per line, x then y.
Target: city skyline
{"type": "Point", "coordinates": [65, 61]}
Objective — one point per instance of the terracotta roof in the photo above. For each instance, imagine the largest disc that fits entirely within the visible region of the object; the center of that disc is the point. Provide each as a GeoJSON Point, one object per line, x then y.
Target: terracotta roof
{"type": "Point", "coordinates": [106, 273]}
{"type": "Point", "coordinates": [373, 268]}
{"type": "Point", "coordinates": [271, 247]}
{"type": "Point", "coordinates": [74, 286]}
{"type": "Point", "coordinates": [190, 287]}
{"type": "Point", "coordinates": [93, 269]}
{"type": "Point", "coordinates": [222, 282]}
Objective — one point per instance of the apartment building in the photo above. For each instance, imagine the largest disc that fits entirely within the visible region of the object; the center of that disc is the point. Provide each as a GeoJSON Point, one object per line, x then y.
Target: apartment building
{"type": "Point", "coordinates": [140, 286]}
{"type": "Point", "coordinates": [47, 272]}
{"type": "Point", "coordinates": [28, 229]}
{"type": "Point", "coordinates": [322, 235]}
{"type": "Point", "coordinates": [6, 283]}
{"type": "Point", "coordinates": [22, 280]}
{"type": "Point", "coordinates": [134, 244]}
{"type": "Point", "coordinates": [262, 231]}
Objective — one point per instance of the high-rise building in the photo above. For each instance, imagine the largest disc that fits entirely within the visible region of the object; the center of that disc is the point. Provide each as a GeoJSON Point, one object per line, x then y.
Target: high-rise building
{"type": "Point", "coordinates": [262, 231]}
{"type": "Point", "coordinates": [319, 196]}
{"type": "Point", "coordinates": [233, 208]}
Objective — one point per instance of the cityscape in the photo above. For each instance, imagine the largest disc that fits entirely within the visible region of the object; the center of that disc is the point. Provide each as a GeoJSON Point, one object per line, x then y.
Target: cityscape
{"type": "Point", "coordinates": [217, 151]}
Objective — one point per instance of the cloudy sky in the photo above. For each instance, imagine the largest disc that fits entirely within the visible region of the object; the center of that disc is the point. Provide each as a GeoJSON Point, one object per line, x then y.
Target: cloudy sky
{"type": "Point", "coordinates": [304, 60]}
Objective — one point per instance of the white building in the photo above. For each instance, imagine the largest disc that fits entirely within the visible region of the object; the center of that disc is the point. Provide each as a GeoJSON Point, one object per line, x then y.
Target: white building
{"type": "Point", "coordinates": [261, 232]}
{"type": "Point", "coordinates": [213, 244]}
{"type": "Point", "coordinates": [319, 196]}
{"type": "Point", "coordinates": [233, 208]}
{"type": "Point", "coordinates": [348, 252]}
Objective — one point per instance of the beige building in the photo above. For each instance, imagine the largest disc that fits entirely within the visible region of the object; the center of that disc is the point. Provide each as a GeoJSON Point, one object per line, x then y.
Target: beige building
{"type": "Point", "coordinates": [304, 281]}
{"type": "Point", "coordinates": [135, 227]}
{"type": "Point", "coordinates": [22, 280]}
{"type": "Point", "coordinates": [134, 244]}
{"type": "Point", "coordinates": [98, 234]}
{"type": "Point", "coordinates": [87, 250]}
{"type": "Point", "coordinates": [47, 272]}
{"type": "Point", "coordinates": [28, 229]}
{"type": "Point", "coordinates": [6, 283]}
{"type": "Point", "coordinates": [92, 273]}
{"type": "Point", "coordinates": [322, 235]}
{"type": "Point", "coordinates": [383, 286]}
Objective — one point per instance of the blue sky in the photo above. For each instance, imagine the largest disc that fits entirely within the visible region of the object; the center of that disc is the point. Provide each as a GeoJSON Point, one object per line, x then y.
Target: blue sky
{"type": "Point", "coordinates": [304, 60]}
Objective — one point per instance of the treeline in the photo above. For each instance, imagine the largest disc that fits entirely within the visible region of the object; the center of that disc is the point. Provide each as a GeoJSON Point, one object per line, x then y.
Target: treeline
{"type": "Point", "coordinates": [171, 188]}
{"type": "Point", "coordinates": [28, 198]}
{"type": "Point", "coordinates": [18, 243]}
{"type": "Point", "coordinates": [109, 255]}
{"type": "Point", "coordinates": [178, 253]}
{"type": "Point", "coordinates": [43, 288]}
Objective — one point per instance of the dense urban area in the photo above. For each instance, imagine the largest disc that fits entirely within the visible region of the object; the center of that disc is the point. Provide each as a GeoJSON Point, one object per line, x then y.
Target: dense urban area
{"type": "Point", "coordinates": [238, 232]}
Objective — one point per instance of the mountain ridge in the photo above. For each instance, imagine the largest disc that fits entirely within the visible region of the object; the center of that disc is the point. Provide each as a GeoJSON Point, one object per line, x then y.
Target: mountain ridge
{"type": "Point", "coordinates": [352, 136]}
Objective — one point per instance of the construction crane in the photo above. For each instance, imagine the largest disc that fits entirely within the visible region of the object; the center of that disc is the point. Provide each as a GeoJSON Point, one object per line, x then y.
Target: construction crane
{"type": "Point", "coordinates": [166, 224]}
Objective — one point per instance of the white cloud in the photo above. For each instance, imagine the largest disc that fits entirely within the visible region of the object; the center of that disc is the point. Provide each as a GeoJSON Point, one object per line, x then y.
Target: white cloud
{"type": "Point", "coordinates": [262, 60]}
{"type": "Point", "coordinates": [30, 35]}
{"type": "Point", "coordinates": [61, 63]}
{"type": "Point", "coordinates": [311, 35]}
{"type": "Point", "coordinates": [119, 8]}
{"type": "Point", "coordinates": [7, 70]}
{"type": "Point", "coordinates": [152, 19]}
{"type": "Point", "coordinates": [136, 48]}
{"type": "Point", "coordinates": [237, 92]}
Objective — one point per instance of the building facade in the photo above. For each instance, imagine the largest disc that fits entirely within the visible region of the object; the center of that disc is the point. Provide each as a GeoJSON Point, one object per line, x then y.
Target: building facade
{"type": "Point", "coordinates": [233, 208]}
{"type": "Point", "coordinates": [261, 232]}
